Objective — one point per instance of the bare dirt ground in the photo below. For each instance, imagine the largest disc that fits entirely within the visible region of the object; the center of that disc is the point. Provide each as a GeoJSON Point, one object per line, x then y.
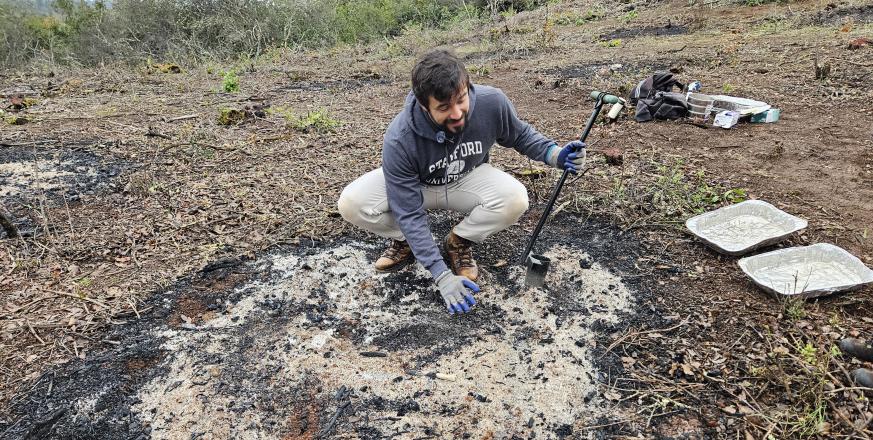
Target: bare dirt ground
{"type": "Point", "coordinates": [178, 278]}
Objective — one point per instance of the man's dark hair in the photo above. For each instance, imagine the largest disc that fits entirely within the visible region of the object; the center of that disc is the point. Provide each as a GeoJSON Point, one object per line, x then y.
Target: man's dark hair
{"type": "Point", "coordinates": [439, 73]}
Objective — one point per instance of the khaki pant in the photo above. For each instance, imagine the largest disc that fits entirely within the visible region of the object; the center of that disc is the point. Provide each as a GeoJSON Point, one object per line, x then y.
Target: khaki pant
{"type": "Point", "coordinates": [493, 199]}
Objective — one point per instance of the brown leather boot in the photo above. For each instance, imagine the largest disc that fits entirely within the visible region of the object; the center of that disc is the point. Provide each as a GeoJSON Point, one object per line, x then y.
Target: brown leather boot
{"type": "Point", "coordinates": [397, 255]}
{"type": "Point", "coordinates": [460, 252]}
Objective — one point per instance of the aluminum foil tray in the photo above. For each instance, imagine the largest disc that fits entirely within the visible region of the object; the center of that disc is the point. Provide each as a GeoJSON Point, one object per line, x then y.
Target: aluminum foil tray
{"type": "Point", "coordinates": [808, 271]}
{"type": "Point", "coordinates": [742, 105]}
{"type": "Point", "coordinates": [743, 227]}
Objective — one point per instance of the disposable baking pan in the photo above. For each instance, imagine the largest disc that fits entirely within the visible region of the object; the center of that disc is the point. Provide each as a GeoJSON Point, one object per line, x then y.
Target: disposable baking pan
{"type": "Point", "coordinates": [807, 271]}
{"type": "Point", "coordinates": [740, 228]}
{"type": "Point", "coordinates": [743, 106]}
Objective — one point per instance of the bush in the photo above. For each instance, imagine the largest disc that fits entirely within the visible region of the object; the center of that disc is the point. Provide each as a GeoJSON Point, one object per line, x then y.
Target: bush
{"type": "Point", "coordinates": [230, 82]}
{"type": "Point", "coordinates": [80, 32]}
{"type": "Point", "coordinates": [16, 40]}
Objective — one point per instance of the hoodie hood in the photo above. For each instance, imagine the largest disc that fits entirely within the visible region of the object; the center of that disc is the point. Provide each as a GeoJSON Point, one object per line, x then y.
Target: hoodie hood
{"type": "Point", "coordinates": [420, 122]}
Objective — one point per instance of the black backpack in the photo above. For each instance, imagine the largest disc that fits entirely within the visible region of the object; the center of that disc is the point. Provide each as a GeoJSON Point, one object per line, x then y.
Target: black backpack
{"type": "Point", "coordinates": [654, 99]}
{"type": "Point", "coordinates": [664, 105]}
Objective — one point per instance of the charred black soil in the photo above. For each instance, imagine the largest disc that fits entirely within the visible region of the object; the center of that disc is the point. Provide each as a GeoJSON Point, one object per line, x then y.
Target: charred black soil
{"type": "Point", "coordinates": [102, 396]}
{"type": "Point", "coordinates": [655, 31]}
{"type": "Point", "coordinates": [36, 177]}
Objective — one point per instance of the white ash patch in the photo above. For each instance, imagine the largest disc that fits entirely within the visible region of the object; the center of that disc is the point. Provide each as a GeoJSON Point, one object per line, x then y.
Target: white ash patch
{"type": "Point", "coordinates": [533, 374]}
{"type": "Point", "coordinates": [87, 406]}
{"type": "Point", "coordinates": [38, 176]}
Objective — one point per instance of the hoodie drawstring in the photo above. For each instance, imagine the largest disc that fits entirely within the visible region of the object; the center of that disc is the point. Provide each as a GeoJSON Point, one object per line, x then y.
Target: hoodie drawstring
{"type": "Point", "coordinates": [446, 186]}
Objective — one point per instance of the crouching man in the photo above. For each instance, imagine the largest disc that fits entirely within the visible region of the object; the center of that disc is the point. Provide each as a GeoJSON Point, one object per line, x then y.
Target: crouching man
{"type": "Point", "coordinates": [435, 156]}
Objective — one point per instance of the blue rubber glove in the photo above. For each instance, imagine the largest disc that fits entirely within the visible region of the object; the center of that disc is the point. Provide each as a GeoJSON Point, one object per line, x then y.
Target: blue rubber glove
{"type": "Point", "coordinates": [571, 157]}
{"type": "Point", "coordinates": [455, 291]}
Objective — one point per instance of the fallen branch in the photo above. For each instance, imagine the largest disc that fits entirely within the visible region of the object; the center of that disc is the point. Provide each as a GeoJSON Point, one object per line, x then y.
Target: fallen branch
{"type": "Point", "coordinates": [83, 298]}
{"type": "Point", "coordinates": [181, 118]}
{"type": "Point", "coordinates": [28, 144]}
{"type": "Point", "coordinates": [209, 223]}
{"type": "Point", "coordinates": [154, 133]}
{"type": "Point", "coordinates": [621, 339]}
{"type": "Point", "coordinates": [620, 422]}
{"type": "Point", "coordinates": [33, 332]}
{"type": "Point", "coordinates": [838, 390]}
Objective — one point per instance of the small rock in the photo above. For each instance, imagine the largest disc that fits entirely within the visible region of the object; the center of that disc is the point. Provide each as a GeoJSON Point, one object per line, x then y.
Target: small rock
{"type": "Point", "coordinates": [858, 43]}
{"type": "Point", "coordinates": [446, 376]}
{"type": "Point", "coordinates": [479, 397]}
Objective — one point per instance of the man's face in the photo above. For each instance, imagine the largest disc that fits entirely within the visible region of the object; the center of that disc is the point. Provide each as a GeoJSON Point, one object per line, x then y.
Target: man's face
{"type": "Point", "coordinates": [451, 113]}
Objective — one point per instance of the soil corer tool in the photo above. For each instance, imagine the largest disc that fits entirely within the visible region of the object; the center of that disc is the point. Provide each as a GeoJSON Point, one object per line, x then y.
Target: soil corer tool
{"type": "Point", "coordinates": [538, 265]}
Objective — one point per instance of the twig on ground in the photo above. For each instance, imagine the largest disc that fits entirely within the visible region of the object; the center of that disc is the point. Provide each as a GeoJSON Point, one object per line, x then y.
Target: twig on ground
{"type": "Point", "coordinates": [628, 335]}
{"type": "Point", "coordinates": [33, 332]}
{"type": "Point", "coordinates": [83, 298]}
{"type": "Point", "coordinates": [181, 118]}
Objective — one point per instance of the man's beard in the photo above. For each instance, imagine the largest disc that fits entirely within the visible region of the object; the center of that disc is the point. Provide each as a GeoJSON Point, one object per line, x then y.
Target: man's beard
{"type": "Point", "coordinates": [456, 129]}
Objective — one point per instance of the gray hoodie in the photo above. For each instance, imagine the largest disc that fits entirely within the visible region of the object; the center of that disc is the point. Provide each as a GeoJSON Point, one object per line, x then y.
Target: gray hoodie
{"type": "Point", "coordinates": [417, 151]}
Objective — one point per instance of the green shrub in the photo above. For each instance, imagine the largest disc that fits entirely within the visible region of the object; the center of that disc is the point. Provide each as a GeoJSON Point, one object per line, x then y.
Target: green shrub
{"type": "Point", "coordinates": [313, 121]}
{"type": "Point", "coordinates": [574, 18]}
{"type": "Point", "coordinates": [677, 194]}
{"type": "Point", "coordinates": [13, 119]}
{"type": "Point", "coordinates": [90, 32]}
{"type": "Point", "coordinates": [231, 116]}
{"type": "Point", "coordinates": [230, 82]}
{"type": "Point", "coordinates": [318, 121]}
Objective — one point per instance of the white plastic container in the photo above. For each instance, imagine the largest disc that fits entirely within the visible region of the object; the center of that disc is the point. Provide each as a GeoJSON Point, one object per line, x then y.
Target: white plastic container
{"type": "Point", "coordinates": [700, 105]}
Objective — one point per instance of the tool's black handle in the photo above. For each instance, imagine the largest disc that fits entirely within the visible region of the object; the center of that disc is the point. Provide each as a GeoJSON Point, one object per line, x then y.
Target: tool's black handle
{"type": "Point", "coordinates": [597, 107]}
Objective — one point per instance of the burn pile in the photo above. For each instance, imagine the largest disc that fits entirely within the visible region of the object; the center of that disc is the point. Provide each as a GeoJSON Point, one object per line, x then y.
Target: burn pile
{"type": "Point", "coordinates": [310, 342]}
